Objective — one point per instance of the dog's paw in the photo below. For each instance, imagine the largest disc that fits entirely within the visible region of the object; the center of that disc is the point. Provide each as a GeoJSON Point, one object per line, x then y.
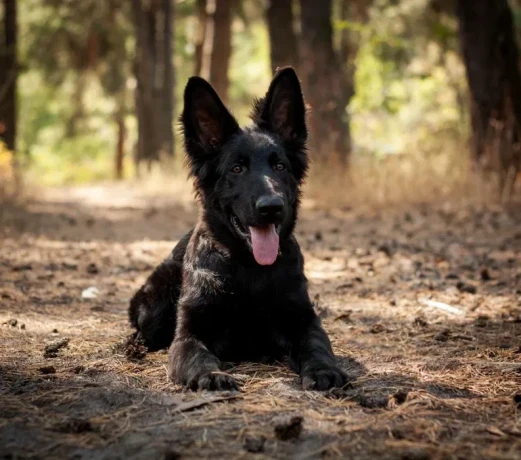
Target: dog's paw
{"type": "Point", "coordinates": [323, 378]}
{"type": "Point", "coordinates": [214, 381]}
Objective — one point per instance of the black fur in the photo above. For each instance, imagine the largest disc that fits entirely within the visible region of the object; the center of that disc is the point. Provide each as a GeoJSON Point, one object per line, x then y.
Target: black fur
{"type": "Point", "coordinates": [222, 304]}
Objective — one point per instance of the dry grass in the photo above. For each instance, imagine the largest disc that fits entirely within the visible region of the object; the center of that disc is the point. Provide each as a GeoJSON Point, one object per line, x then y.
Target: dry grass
{"type": "Point", "coordinates": [403, 180]}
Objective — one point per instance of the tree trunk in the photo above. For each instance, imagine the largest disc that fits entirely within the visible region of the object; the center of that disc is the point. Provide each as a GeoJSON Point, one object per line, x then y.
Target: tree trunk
{"type": "Point", "coordinates": [8, 75]}
{"type": "Point", "coordinates": [221, 17]}
{"type": "Point", "coordinates": [120, 145]}
{"type": "Point", "coordinates": [201, 35]}
{"type": "Point", "coordinates": [491, 60]}
{"type": "Point", "coordinates": [78, 113]}
{"type": "Point", "coordinates": [155, 80]}
{"type": "Point", "coordinates": [165, 92]}
{"type": "Point", "coordinates": [325, 84]}
{"type": "Point", "coordinates": [356, 11]}
{"type": "Point", "coordinates": [283, 41]}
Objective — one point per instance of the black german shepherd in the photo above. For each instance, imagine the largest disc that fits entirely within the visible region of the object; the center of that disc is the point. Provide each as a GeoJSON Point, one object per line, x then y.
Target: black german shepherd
{"type": "Point", "coordinates": [234, 289]}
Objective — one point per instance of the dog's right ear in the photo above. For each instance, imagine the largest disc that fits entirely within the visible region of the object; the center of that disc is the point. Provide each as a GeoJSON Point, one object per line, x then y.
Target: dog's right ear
{"type": "Point", "coordinates": [207, 123]}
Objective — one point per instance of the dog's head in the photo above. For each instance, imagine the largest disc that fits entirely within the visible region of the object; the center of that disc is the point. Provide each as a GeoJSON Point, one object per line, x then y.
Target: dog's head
{"type": "Point", "coordinates": [248, 179]}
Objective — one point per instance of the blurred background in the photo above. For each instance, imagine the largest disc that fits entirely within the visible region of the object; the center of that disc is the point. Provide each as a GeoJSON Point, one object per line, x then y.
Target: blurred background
{"type": "Point", "coordinates": [409, 99]}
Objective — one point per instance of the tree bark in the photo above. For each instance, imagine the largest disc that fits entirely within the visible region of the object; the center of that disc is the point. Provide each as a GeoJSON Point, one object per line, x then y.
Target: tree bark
{"type": "Point", "coordinates": [491, 59]}
{"type": "Point", "coordinates": [283, 40]}
{"type": "Point", "coordinates": [221, 18]}
{"type": "Point", "coordinates": [166, 83]}
{"type": "Point", "coordinates": [326, 87]}
{"type": "Point", "coordinates": [154, 75]}
{"type": "Point", "coordinates": [201, 35]}
{"type": "Point", "coordinates": [119, 156]}
{"type": "Point", "coordinates": [8, 75]}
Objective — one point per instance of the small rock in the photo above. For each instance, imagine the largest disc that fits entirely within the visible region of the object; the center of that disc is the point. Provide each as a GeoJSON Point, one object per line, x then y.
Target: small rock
{"type": "Point", "coordinates": [484, 274]}
{"type": "Point", "coordinates": [465, 287]}
{"type": "Point", "coordinates": [22, 326]}
{"type": "Point", "coordinates": [287, 428]}
{"type": "Point", "coordinates": [90, 293]}
{"type": "Point", "coordinates": [46, 370]}
{"type": "Point", "coordinates": [55, 331]}
{"type": "Point", "coordinates": [384, 248]}
{"type": "Point", "coordinates": [254, 445]}
{"type": "Point", "coordinates": [421, 322]}
{"type": "Point", "coordinates": [92, 269]}
{"type": "Point", "coordinates": [11, 322]}
{"type": "Point", "coordinates": [452, 276]}
{"type": "Point", "coordinates": [482, 321]}
{"type": "Point", "coordinates": [373, 402]}
{"type": "Point", "coordinates": [318, 236]}
{"type": "Point", "coordinates": [52, 349]}
{"type": "Point", "coordinates": [377, 328]}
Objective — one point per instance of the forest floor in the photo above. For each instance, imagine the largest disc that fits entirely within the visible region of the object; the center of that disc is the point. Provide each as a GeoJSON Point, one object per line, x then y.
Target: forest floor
{"type": "Point", "coordinates": [423, 306]}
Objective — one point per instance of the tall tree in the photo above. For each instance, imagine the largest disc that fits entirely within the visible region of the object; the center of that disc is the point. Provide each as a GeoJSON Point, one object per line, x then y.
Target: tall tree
{"type": "Point", "coordinates": [283, 40]}
{"type": "Point", "coordinates": [220, 16]}
{"type": "Point", "coordinates": [351, 12]}
{"type": "Point", "coordinates": [325, 83]}
{"type": "Point", "coordinates": [491, 60]}
{"type": "Point", "coordinates": [8, 75]}
{"type": "Point", "coordinates": [155, 80]}
{"type": "Point", "coordinates": [202, 19]}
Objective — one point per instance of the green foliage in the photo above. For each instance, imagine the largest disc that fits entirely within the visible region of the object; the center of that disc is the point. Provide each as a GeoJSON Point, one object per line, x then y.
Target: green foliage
{"type": "Point", "coordinates": [410, 90]}
{"type": "Point", "coordinates": [409, 81]}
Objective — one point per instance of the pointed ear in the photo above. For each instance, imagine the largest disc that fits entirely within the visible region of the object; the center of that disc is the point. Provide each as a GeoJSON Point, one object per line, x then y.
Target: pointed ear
{"type": "Point", "coordinates": [282, 110]}
{"type": "Point", "coordinates": [207, 123]}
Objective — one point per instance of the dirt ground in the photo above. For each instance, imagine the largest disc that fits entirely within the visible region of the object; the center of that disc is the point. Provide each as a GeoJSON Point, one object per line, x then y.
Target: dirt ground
{"type": "Point", "coordinates": [423, 307]}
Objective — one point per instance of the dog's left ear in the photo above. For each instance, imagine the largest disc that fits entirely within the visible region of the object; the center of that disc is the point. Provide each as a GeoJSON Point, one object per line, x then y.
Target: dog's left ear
{"type": "Point", "coordinates": [282, 110]}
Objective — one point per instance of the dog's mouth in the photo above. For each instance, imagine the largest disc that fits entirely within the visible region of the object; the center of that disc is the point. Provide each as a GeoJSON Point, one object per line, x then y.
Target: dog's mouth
{"type": "Point", "coordinates": [263, 240]}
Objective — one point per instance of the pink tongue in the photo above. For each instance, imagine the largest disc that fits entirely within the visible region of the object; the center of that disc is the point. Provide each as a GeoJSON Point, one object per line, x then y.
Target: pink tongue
{"type": "Point", "coordinates": [265, 242]}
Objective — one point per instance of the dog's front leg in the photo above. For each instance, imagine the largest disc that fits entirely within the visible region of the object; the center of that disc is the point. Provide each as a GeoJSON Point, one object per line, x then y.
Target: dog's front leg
{"type": "Point", "coordinates": [313, 358]}
{"type": "Point", "coordinates": [193, 365]}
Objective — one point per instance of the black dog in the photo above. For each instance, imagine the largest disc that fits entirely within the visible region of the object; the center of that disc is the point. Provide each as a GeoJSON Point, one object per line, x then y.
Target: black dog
{"type": "Point", "coordinates": [235, 284]}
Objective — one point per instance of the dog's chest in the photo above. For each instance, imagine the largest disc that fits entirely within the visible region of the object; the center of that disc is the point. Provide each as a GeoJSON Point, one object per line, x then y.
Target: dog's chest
{"type": "Point", "coordinates": [257, 280]}
{"type": "Point", "coordinates": [253, 319]}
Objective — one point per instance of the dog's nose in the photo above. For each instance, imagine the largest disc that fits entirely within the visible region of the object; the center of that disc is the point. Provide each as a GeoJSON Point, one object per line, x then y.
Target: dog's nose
{"type": "Point", "coordinates": [269, 205]}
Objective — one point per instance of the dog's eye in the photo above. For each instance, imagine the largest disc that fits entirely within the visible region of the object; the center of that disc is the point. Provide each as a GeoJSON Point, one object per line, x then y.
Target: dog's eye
{"type": "Point", "coordinates": [280, 167]}
{"type": "Point", "coordinates": [237, 169]}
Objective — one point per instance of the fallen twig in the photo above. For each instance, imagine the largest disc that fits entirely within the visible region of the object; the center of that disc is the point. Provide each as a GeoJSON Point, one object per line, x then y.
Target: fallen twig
{"type": "Point", "coordinates": [442, 306]}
